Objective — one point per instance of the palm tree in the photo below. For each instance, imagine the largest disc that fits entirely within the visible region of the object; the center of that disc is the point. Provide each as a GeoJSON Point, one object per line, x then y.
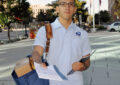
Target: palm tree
{"type": "Point", "coordinates": [22, 11]}
{"type": "Point", "coordinates": [81, 10]}
{"type": "Point", "coordinates": [6, 17]}
{"type": "Point", "coordinates": [12, 9]}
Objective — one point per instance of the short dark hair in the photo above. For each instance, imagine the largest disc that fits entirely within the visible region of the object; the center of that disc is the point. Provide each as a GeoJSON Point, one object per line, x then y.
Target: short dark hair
{"type": "Point", "coordinates": [59, 0]}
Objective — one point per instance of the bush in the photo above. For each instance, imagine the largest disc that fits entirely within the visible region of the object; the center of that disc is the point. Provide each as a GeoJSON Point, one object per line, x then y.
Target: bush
{"type": "Point", "coordinates": [100, 28]}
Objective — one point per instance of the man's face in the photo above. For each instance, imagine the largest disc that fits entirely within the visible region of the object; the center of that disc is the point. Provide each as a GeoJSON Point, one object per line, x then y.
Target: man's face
{"type": "Point", "coordinates": [66, 8]}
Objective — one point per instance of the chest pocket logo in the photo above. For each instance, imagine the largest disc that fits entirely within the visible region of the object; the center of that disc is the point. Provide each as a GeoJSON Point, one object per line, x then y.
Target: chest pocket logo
{"type": "Point", "coordinates": [78, 33]}
{"type": "Point", "coordinates": [76, 39]}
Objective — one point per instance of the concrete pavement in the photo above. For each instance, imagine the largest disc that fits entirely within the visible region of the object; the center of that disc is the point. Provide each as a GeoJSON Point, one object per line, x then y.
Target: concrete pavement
{"type": "Point", "coordinates": [105, 62]}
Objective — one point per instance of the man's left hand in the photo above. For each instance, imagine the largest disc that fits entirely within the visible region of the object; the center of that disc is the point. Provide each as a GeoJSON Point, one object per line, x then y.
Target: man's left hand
{"type": "Point", "coordinates": [77, 66]}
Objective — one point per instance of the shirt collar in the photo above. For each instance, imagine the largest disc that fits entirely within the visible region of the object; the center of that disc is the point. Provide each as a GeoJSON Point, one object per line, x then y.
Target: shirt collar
{"type": "Point", "coordinates": [57, 24]}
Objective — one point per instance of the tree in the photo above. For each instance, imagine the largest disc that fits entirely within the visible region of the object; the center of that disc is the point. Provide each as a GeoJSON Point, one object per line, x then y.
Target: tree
{"type": "Point", "coordinates": [48, 15]}
{"type": "Point", "coordinates": [117, 8]}
{"type": "Point", "coordinates": [6, 16]}
{"type": "Point", "coordinates": [12, 11]}
{"type": "Point", "coordinates": [81, 10]}
{"type": "Point", "coordinates": [104, 17]}
{"type": "Point", "coordinates": [97, 18]}
{"type": "Point", "coordinates": [22, 13]}
{"type": "Point", "coordinates": [41, 16]}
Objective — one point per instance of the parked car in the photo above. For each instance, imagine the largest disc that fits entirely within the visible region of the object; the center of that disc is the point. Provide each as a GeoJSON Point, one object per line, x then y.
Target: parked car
{"type": "Point", "coordinates": [115, 26]}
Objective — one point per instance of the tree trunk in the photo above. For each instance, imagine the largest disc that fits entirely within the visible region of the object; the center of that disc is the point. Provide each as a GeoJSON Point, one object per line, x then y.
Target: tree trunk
{"type": "Point", "coordinates": [26, 34]}
{"type": "Point", "coordinates": [9, 33]}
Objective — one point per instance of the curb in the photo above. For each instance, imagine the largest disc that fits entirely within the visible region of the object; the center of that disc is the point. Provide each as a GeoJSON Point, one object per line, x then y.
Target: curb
{"type": "Point", "coordinates": [2, 42]}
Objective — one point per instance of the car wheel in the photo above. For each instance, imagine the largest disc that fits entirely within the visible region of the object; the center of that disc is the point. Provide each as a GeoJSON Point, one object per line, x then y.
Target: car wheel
{"type": "Point", "coordinates": [112, 30]}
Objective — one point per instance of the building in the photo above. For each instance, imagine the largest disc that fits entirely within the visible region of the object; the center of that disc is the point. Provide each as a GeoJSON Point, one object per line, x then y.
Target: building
{"type": "Point", "coordinates": [36, 9]}
{"type": "Point", "coordinates": [110, 5]}
{"type": "Point", "coordinates": [111, 9]}
{"type": "Point", "coordinates": [94, 5]}
{"type": "Point", "coordinates": [37, 5]}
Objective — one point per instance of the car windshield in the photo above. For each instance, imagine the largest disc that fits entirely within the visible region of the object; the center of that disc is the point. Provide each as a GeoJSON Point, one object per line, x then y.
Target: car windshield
{"type": "Point", "coordinates": [116, 24]}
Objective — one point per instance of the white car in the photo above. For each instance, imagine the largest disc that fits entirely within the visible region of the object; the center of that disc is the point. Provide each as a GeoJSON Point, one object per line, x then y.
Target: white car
{"type": "Point", "coordinates": [115, 26]}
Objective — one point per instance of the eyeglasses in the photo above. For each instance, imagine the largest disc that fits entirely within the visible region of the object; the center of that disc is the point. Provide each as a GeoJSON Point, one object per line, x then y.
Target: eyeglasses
{"type": "Point", "coordinates": [70, 4]}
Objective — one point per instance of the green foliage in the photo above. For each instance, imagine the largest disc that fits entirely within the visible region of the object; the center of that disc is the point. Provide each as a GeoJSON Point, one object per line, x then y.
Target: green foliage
{"type": "Point", "coordinates": [6, 16]}
{"type": "Point", "coordinates": [41, 15]}
{"type": "Point", "coordinates": [81, 10]}
{"type": "Point", "coordinates": [100, 28]}
{"type": "Point", "coordinates": [104, 17]}
{"type": "Point", "coordinates": [13, 9]}
{"type": "Point", "coordinates": [49, 15]}
{"type": "Point", "coordinates": [3, 19]}
{"type": "Point", "coordinates": [21, 10]}
{"type": "Point", "coordinates": [2, 9]}
{"type": "Point", "coordinates": [117, 8]}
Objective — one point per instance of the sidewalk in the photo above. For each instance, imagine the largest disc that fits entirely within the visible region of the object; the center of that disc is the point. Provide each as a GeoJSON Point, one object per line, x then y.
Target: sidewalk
{"type": "Point", "coordinates": [13, 34]}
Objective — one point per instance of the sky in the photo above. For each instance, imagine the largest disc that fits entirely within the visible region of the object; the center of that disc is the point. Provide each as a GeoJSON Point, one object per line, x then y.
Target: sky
{"type": "Point", "coordinates": [41, 2]}
{"type": "Point", "coordinates": [104, 4]}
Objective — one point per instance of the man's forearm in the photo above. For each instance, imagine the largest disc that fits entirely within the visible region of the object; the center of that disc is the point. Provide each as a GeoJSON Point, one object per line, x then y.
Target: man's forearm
{"type": "Point", "coordinates": [36, 57]}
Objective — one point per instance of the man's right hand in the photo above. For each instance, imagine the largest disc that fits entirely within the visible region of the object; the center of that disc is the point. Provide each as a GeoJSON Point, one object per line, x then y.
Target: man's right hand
{"type": "Point", "coordinates": [37, 53]}
{"type": "Point", "coordinates": [43, 65]}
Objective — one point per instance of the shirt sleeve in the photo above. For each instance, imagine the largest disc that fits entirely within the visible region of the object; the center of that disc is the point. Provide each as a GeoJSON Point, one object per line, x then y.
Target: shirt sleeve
{"type": "Point", "coordinates": [86, 49]}
{"type": "Point", "coordinates": [40, 37]}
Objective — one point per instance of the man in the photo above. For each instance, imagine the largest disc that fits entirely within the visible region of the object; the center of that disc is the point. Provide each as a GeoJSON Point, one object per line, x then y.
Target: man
{"type": "Point", "coordinates": [68, 45]}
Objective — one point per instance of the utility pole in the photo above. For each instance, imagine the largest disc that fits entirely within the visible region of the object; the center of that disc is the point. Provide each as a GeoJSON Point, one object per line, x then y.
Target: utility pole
{"type": "Point", "coordinates": [99, 11]}
{"type": "Point", "coordinates": [80, 19]}
{"type": "Point", "coordinates": [94, 29]}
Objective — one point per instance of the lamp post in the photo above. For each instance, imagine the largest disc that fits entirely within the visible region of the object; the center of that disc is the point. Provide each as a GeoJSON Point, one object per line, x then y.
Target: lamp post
{"type": "Point", "coordinates": [94, 29]}
{"type": "Point", "coordinates": [80, 19]}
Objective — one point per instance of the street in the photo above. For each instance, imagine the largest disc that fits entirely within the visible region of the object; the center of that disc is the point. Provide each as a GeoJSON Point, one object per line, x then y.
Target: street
{"type": "Point", "coordinates": [9, 54]}
{"type": "Point", "coordinates": [105, 62]}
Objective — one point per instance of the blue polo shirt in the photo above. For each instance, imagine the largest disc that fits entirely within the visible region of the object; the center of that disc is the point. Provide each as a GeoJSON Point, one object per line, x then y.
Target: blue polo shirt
{"type": "Point", "coordinates": [66, 47]}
